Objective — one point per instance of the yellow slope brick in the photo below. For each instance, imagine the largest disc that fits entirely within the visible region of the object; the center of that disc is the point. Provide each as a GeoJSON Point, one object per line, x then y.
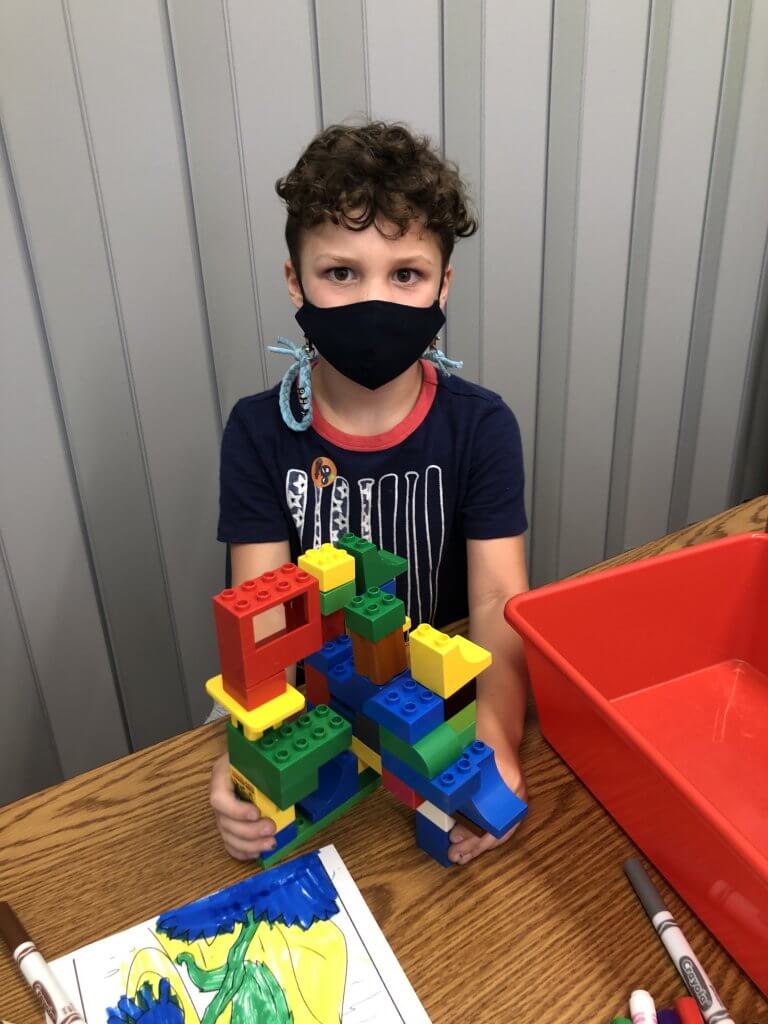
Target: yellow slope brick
{"type": "Point", "coordinates": [444, 663]}
{"type": "Point", "coordinates": [332, 567]}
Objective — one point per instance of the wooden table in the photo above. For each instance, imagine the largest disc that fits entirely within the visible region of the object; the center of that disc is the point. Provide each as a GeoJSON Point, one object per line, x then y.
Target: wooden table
{"type": "Point", "coordinates": [543, 931]}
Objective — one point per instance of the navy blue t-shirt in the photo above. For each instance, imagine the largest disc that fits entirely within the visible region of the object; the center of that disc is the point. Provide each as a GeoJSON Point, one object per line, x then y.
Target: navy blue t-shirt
{"type": "Point", "coordinates": [452, 470]}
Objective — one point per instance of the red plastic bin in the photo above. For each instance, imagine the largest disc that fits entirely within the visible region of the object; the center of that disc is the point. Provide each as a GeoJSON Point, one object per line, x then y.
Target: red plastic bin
{"type": "Point", "coordinates": [651, 682]}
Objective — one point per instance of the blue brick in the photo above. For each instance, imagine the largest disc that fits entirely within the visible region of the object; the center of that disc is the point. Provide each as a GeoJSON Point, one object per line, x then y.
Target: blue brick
{"type": "Point", "coordinates": [433, 840]}
{"type": "Point", "coordinates": [450, 789]}
{"type": "Point", "coordinates": [283, 837]}
{"type": "Point", "coordinates": [493, 806]}
{"type": "Point", "coordinates": [342, 709]}
{"type": "Point", "coordinates": [349, 686]}
{"type": "Point", "coordinates": [390, 587]}
{"type": "Point", "coordinates": [337, 783]}
{"type": "Point", "coordinates": [405, 707]}
{"type": "Point", "coordinates": [335, 652]}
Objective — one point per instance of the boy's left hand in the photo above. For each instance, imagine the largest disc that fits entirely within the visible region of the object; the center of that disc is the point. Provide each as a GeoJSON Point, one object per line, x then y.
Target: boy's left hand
{"type": "Point", "coordinates": [465, 845]}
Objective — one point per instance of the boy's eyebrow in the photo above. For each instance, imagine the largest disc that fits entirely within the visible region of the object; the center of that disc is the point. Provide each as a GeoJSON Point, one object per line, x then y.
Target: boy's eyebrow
{"type": "Point", "coordinates": [412, 258]}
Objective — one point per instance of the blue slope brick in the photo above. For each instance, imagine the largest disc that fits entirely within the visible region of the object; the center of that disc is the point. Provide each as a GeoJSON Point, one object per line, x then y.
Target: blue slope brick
{"type": "Point", "coordinates": [337, 783]}
{"type": "Point", "coordinates": [405, 707]}
{"type": "Point", "coordinates": [493, 806]}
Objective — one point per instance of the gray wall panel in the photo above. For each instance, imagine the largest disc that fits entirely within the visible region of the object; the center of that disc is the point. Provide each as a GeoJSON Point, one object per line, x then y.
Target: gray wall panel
{"type": "Point", "coordinates": [213, 141]}
{"type": "Point", "coordinates": [341, 59]}
{"type": "Point", "coordinates": [736, 295]}
{"type": "Point", "coordinates": [282, 96]}
{"type": "Point", "coordinates": [29, 755]}
{"type": "Point", "coordinates": [565, 108]}
{"type": "Point", "coordinates": [56, 179]}
{"type": "Point", "coordinates": [403, 55]}
{"type": "Point", "coordinates": [136, 139]}
{"type": "Point", "coordinates": [613, 85]}
{"type": "Point", "coordinates": [43, 538]}
{"type": "Point", "coordinates": [690, 107]}
{"type": "Point", "coordinates": [463, 143]}
{"type": "Point", "coordinates": [517, 43]}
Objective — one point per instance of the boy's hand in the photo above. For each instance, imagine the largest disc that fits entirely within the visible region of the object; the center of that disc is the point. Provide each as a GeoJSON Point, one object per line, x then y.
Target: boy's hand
{"type": "Point", "coordinates": [465, 845]}
{"type": "Point", "coordinates": [245, 833]}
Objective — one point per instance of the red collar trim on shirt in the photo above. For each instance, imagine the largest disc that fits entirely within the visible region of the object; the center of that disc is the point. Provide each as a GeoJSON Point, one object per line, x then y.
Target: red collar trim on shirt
{"type": "Point", "coordinates": [398, 433]}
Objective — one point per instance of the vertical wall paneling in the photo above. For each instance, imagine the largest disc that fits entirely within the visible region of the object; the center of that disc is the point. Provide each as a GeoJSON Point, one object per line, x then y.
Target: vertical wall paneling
{"type": "Point", "coordinates": [29, 755]}
{"type": "Point", "coordinates": [56, 175]}
{"type": "Point", "coordinates": [279, 93]}
{"type": "Point", "coordinates": [517, 41]}
{"type": "Point", "coordinates": [696, 50]}
{"type": "Point", "coordinates": [213, 143]}
{"type": "Point", "coordinates": [637, 274]}
{"type": "Point", "coordinates": [463, 65]}
{"type": "Point", "coordinates": [136, 139]}
{"type": "Point", "coordinates": [613, 84]}
{"type": "Point", "coordinates": [735, 294]}
{"type": "Point", "coordinates": [342, 60]}
{"type": "Point", "coordinates": [403, 56]}
{"type": "Point", "coordinates": [45, 550]}
{"type": "Point", "coordinates": [565, 108]}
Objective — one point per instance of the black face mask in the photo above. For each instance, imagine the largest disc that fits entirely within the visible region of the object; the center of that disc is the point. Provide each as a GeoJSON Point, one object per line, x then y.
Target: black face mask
{"type": "Point", "coordinates": [370, 342]}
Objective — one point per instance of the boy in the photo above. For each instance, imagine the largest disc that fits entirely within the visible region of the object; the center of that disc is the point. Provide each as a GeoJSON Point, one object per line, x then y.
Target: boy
{"type": "Point", "coordinates": [375, 439]}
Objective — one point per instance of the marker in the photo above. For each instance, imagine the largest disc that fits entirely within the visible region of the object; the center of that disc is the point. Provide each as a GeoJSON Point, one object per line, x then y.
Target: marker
{"type": "Point", "coordinates": [642, 1008]}
{"type": "Point", "coordinates": [621, 1020]}
{"type": "Point", "coordinates": [675, 943]}
{"type": "Point", "coordinates": [58, 1007]}
{"type": "Point", "coordinates": [688, 1010]}
{"type": "Point", "coordinates": [668, 1017]}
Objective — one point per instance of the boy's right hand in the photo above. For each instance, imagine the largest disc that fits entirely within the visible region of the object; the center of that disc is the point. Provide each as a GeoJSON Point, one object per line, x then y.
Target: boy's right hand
{"type": "Point", "coordinates": [245, 833]}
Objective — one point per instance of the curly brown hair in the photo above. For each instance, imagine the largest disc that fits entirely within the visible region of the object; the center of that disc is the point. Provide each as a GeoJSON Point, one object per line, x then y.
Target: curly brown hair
{"type": "Point", "coordinates": [354, 174]}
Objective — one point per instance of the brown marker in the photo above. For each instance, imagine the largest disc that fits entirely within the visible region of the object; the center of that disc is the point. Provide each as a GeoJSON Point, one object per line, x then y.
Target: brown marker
{"type": "Point", "coordinates": [59, 1008]}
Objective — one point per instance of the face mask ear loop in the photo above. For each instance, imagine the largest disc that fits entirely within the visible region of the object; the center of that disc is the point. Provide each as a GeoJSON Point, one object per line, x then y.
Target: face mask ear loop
{"type": "Point", "coordinates": [435, 355]}
{"type": "Point", "coordinates": [301, 367]}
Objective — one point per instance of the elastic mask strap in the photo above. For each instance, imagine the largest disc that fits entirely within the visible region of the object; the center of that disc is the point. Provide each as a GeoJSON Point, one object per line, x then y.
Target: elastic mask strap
{"type": "Point", "coordinates": [436, 355]}
{"type": "Point", "coordinates": [301, 367]}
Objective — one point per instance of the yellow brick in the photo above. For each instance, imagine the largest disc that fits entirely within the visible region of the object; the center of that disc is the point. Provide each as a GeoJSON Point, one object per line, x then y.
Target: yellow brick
{"type": "Point", "coordinates": [444, 663]}
{"type": "Point", "coordinates": [366, 757]}
{"type": "Point", "coordinates": [332, 567]}
{"type": "Point", "coordinates": [256, 722]}
{"type": "Point", "coordinates": [266, 807]}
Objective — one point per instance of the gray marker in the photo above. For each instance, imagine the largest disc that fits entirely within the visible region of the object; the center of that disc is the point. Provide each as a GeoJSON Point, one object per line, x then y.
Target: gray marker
{"type": "Point", "coordinates": [675, 943]}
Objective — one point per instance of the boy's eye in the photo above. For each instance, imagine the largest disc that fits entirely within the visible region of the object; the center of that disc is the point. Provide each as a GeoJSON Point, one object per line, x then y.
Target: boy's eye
{"type": "Point", "coordinates": [340, 274]}
{"type": "Point", "coordinates": [405, 275]}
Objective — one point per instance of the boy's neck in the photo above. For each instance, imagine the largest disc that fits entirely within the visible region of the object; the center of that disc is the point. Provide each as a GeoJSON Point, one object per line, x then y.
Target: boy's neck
{"type": "Point", "coordinates": [351, 408]}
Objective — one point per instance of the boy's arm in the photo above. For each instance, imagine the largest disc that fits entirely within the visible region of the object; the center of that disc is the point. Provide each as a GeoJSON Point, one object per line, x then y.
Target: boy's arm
{"type": "Point", "coordinates": [495, 572]}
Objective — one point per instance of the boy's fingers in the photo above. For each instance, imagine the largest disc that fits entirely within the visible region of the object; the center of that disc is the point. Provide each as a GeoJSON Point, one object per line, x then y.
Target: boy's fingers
{"type": "Point", "coordinates": [224, 802]}
{"type": "Point", "coordinates": [264, 828]}
{"type": "Point", "coordinates": [248, 851]}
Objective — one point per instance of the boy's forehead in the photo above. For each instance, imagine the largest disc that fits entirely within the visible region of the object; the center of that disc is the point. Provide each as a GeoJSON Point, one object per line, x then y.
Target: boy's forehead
{"type": "Point", "coordinates": [338, 239]}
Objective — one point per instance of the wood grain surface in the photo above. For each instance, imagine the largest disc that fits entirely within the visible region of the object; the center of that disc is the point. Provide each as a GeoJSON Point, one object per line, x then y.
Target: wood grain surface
{"type": "Point", "coordinates": [543, 931]}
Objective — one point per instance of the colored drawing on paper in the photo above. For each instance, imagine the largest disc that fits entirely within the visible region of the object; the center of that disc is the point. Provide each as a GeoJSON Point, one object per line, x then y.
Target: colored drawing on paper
{"type": "Point", "coordinates": [292, 945]}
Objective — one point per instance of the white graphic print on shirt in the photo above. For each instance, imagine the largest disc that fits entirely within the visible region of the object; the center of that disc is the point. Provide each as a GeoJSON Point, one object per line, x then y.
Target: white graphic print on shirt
{"type": "Point", "coordinates": [401, 512]}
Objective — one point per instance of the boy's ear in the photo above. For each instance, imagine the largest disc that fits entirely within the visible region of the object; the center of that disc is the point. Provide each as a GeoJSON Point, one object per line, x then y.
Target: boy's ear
{"type": "Point", "coordinates": [294, 288]}
{"type": "Point", "coordinates": [445, 287]}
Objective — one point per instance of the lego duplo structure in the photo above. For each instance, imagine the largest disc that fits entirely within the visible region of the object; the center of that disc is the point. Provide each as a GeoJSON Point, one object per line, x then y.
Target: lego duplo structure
{"type": "Point", "coordinates": [379, 708]}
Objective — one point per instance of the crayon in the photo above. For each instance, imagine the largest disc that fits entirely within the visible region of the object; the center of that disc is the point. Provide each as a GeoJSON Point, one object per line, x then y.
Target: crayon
{"type": "Point", "coordinates": [58, 1007]}
{"type": "Point", "coordinates": [688, 1010]}
{"type": "Point", "coordinates": [676, 945]}
{"type": "Point", "coordinates": [642, 1008]}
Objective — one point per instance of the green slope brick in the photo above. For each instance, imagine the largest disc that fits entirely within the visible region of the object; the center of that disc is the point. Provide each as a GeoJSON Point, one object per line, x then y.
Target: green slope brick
{"type": "Point", "coordinates": [368, 781]}
{"type": "Point", "coordinates": [332, 600]}
{"type": "Point", "coordinates": [284, 763]}
{"type": "Point", "coordinates": [372, 566]}
{"type": "Point", "coordinates": [374, 614]}
{"type": "Point", "coordinates": [430, 755]}
{"type": "Point", "coordinates": [463, 724]}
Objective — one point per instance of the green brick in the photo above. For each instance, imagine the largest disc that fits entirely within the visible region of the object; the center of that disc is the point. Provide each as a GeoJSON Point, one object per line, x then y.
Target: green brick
{"type": "Point", "coordinates": [373, 566]}
{"type": "Point", "coordinates": [431, 755]}
{"type": "Point", "coordinates": [368, 781]}
{"type": "Point", "coordinates": [463, 724]}
{"type": "Point", "coordinates": [332, 600]}
{"type": "Point", "coordinates": [374, 614]}
{"type": "Point", "coordinates": [284, 763]}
